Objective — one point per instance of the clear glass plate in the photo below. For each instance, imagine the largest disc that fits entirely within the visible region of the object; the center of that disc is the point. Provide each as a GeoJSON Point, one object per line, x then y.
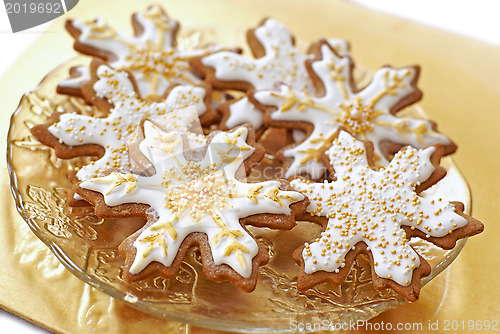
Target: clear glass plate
{"type": "Point", "coordinates": [87, 245]}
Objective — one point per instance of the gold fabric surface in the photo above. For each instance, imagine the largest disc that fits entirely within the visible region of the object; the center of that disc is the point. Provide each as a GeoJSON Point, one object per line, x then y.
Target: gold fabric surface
{"type": "Point", "coordinates": [461, 84]}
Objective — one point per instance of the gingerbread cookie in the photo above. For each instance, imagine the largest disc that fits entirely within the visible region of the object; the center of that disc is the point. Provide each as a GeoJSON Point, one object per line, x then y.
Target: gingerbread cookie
{"type": "Point", "coordinates": [377, 212]}
{"type": "Point", "coordinates": [276, 60]}
{"type": "Point", "coordinates": [368, 114]}
{"type": "Point", "coordinates": [151, 55]}
{"type": "Point", "coordinates": [114, 91]}
{"type": "Point", "coordinates": [200, 203]}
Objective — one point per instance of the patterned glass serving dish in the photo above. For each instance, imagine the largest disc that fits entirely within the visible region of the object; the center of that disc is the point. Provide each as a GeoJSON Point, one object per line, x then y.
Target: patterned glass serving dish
{"type": "Point", "coordinates": [87, 245]}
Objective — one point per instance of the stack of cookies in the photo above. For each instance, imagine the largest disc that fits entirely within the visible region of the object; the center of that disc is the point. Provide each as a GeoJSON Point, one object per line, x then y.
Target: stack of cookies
{"type": "Point", "coordinates": [179, 130]}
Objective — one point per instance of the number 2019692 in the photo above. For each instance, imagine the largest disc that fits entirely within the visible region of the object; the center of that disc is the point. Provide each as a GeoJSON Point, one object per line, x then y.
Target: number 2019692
{"type": "Point", "coordinates": [34, 8]}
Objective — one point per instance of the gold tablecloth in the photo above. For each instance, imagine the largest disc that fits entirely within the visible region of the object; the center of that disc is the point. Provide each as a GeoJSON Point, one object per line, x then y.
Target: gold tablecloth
{"type": "Point", "coordinates": [461, 84]}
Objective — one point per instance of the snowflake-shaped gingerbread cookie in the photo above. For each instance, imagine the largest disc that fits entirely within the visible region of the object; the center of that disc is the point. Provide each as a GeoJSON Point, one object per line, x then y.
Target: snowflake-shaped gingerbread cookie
{"type": "Point", "coordinates": [377, 212]}
{"type": "Point", "coordinates": [277, 59]}
{"type": "Point", "coordinates": [368, 114]}
{"type": "Point", "coordinates": [151, 55]}
{"type": "Point", "coordinates": [198, 202]}
{"type": "Point", "coordinates": [73, 134]}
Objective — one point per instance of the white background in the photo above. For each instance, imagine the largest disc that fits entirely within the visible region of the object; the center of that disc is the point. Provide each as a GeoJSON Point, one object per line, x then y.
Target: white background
{"type": "Point", "coordinates": [474, 18]}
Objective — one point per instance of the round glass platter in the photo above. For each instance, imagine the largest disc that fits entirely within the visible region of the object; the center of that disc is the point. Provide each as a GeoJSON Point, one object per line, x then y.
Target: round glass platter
{"type": "Point", "coordinates": [87, 245]}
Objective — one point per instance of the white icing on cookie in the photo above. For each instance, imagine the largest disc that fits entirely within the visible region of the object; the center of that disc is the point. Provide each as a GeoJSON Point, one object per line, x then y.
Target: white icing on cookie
{"type": "Point", "coordinates": [244, 111]}
{"type": "Point", "coordinates": [366, 114]}
{"type": "Point", "coordinates": [80, 75]}
{"type": "Point", "coordinates": [340, 46]}
{"type": "Point", "coordinates": [195, 139]}
{"type": "Point", "coordinates": [365, 205]}
{"type": "Point", "coordinates": [128, 110]}
{"type": "Point", "coordinates": [190, 196]}
{"type": "Point", "coordinates": [282, 61]}
{"type": "Point", "coordinates": [151, 57]}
